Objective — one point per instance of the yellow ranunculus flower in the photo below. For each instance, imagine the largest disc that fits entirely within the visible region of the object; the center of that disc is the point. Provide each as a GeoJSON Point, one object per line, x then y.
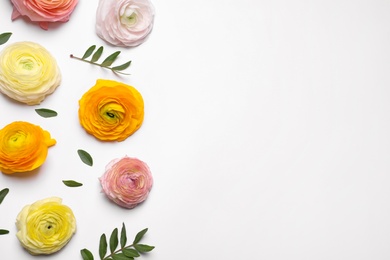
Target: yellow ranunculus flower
{"type": "Point", "coordinates": [45, 226]}
{"type": "Point", "coordinates": [23, 147]}
{"type": "Point", "coordinates": [111, 111]}
{"type": "Point", "coordinates": [28, 72]}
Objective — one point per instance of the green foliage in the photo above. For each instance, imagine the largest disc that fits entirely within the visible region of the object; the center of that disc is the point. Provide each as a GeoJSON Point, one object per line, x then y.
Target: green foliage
{"type": "Point", "coordinates": [85, 157]}
{"type": "Point", "coordinates": [3, 193]}
{"type": "Point", "coordinates": [107, 62]}
{"type": "Point", "coordinates": [4, 37]}
{"type": "Point", "coordinates": [71, 183]}
{"type": "Point", "coordinates": [123, 252]}
{"type": "Point", "coordinates": [44, 112]}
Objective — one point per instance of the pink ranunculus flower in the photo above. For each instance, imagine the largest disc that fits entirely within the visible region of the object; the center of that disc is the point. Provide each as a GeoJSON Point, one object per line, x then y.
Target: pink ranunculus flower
{"type": "Point", "coordinates": [44, 11]}
{"type": "Point", "coordinates": [127, 181]}
{"type": "Point", "coordinates": [125, 23]}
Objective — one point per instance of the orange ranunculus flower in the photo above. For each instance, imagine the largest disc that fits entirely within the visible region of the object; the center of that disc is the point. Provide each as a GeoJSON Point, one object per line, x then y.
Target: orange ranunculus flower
{"type": "Point", "coordinates": [111, 111]}
{"type": "Point", "coordinates": [23, 147]}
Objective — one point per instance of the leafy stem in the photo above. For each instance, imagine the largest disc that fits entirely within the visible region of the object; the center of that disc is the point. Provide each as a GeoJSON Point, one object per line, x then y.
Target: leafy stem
{"type": "Point", "coordinates": [124, 252]}
{"type": "Point", "coordinates": [107, 61]}
{"type": "Point", "coordinates": [100, 65]}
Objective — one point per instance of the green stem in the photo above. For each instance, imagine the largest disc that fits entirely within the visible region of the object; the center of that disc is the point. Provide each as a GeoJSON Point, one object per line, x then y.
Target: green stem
{"type": "Point", "coordinates": [97, 64]}
{"type": "Point", "coordinates": [117, 251]}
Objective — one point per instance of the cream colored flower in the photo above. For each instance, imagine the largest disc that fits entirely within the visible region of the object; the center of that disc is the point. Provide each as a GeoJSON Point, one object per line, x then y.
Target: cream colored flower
{"type": "Point", "coordinates": [28, 72]}
{"type": "Point", "coordinates": [45, 226]}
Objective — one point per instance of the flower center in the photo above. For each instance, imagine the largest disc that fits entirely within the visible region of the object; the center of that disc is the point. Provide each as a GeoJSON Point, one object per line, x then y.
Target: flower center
{"type": "Point", "coordinates": [27, 64]}
{"type": "Point", "coordinates": [129, 17]}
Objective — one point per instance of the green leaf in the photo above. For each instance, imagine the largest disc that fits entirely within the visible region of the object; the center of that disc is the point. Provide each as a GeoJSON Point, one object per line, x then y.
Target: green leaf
{"type": "Point", "coordinates": [122, 67]}
{"type": "Point", "coordinates": [3, 232]}
{"type": "Point", "coordinates": [139, 236]}
{"type": "Point", "coordinates": [103, 246]}
{"type": "Point", "coordinates": [131, 252]}
{"type": "Point", "coordinates": [143, 248]}
{"type": "Point", "coordinates": [3, 193]}
{"type": "Point", "coordinates": [86, 254]}
{"type": "Point", "coordinates": [71, 183]}
{"type": "Point", "coordinates": [85, 157]}
{"type": "Point", "coordinates": [97, 54]}
{"type": "Point", "coordinates": [110, 59]}
{"type": "Point", "coordinates": [121, 257]}
{"type": "Point", "coordinates": [4, 37]}
{"type": "Point", "coordinates": [114, 240]}
{"type": "Point", "coordinates": [44, 112]}
{"type": "Point", "coordinates": [123, 235]}
{"type": "Point", "coordinates": [88, 52]}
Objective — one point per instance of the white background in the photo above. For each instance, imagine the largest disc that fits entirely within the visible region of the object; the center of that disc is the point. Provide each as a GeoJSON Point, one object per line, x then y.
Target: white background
{"type": "Point", "coordinates": [266, 129]}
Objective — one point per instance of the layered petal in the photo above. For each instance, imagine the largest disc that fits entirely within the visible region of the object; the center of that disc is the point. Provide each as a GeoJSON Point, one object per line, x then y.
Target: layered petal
{"type": "Point", "coordinates": [28, 72]}
{"type": "Point", "coordinates": [44, 11]}
{"type": "Point", "coordinates": [111, 110]}
{"type": "Point", "coordinates": [127, 181]}
{"type": "Point", "coordinates": [23, 147]}
{"type": "Point", "coordinates": [124, 22]}
{"type": "Point", "coordinates": [45, 226]}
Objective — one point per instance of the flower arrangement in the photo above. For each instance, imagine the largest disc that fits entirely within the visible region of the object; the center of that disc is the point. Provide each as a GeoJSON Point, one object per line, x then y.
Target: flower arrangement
{"type": "Point", "coordinates": [110, 111]}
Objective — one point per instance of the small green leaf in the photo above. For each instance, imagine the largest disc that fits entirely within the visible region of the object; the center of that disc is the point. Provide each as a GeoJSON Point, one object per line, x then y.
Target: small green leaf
{"type": "Point", "coordinates": [123, 235]}
{"type": "Point", "coordinates": [122, 67]}
{"type": "Point", "coordinates": [88, 52]}
{"type": "Point", "coordinates": [4, 37]}
{"type": "Point", "coordinates": [103, 246]}
{"type": "Point", "coordinates": [97, 54]}
{"type": "Point", "coordinates": [131, 252]}
{"type": "Point", "coordinates": [3, 193]}
{"type": "Point", "coordinates": [86, 254]}
{"type": "Point", "coordinates": [114, 240]}
{"type": "Point", "coordinates": [143, 248]}
{"type": "Point", "coordinates": [139, 236]}
{"type": "Point", "coordinates": [3, 232]}
{"type": "Point", "coordinates": [110, 59]}
{"type": "Point", "coordinates": [44, 112]}
{"type": "Point", "coordinates": [71, 183]}
{"type": "Point", "coordinates": [121, 257]}
{"type": "Point", "coordinates": [85, 157]}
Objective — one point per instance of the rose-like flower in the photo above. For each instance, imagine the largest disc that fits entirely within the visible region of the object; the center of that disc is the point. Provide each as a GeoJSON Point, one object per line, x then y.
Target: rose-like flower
{"type": "Point", "coordinates": [127, 181]}
{"type": "Point", "coordinates": [28, 72]}
{"type": "Point", "coordinates": [124, 22]}
{"type": "Point", "coordinates": [44, 11]}
{"type": "Point", "coordinates": [111, 110]}
{"type": "Point", "coordinates": [23, 147]}
{"type": "Point", "coordinates": [45, 226]}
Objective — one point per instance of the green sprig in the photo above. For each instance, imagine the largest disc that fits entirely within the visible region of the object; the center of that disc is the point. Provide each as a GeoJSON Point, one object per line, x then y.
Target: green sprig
{"type": "Point", "coordinates": [124, 252]}
{"type": "Point", "coordinates": [107, 62]}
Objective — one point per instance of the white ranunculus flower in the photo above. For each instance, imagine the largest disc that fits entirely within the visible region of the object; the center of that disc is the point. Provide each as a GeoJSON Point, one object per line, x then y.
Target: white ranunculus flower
{"type": "Point", "coordinates": [124, 23]}
{"type": "Point", "coordinates": [28, 72]}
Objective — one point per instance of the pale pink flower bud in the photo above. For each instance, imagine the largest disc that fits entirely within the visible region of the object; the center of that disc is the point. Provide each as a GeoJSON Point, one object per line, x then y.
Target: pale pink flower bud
{"type": "Point", "coordinates": [124, 22]}
{"type": "Point", "coordinates": [127, 181]}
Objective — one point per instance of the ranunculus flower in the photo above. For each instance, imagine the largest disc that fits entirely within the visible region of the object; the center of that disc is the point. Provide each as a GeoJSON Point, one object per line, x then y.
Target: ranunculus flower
{"type": "Point", "coordinates": [28, 72]}
{"type": "Point", "coordinates": [45, 226]}
{"type": "Point", "coordinates": [127, 181]}
{"type": "Point", "coordinates": [124, 22]}
{"type": "Point", "coordinates": [111, 110]}
{"type": "Point", "coordinates": [23, 147]}
{"type": "Point", "coordinates": [44, 11]}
